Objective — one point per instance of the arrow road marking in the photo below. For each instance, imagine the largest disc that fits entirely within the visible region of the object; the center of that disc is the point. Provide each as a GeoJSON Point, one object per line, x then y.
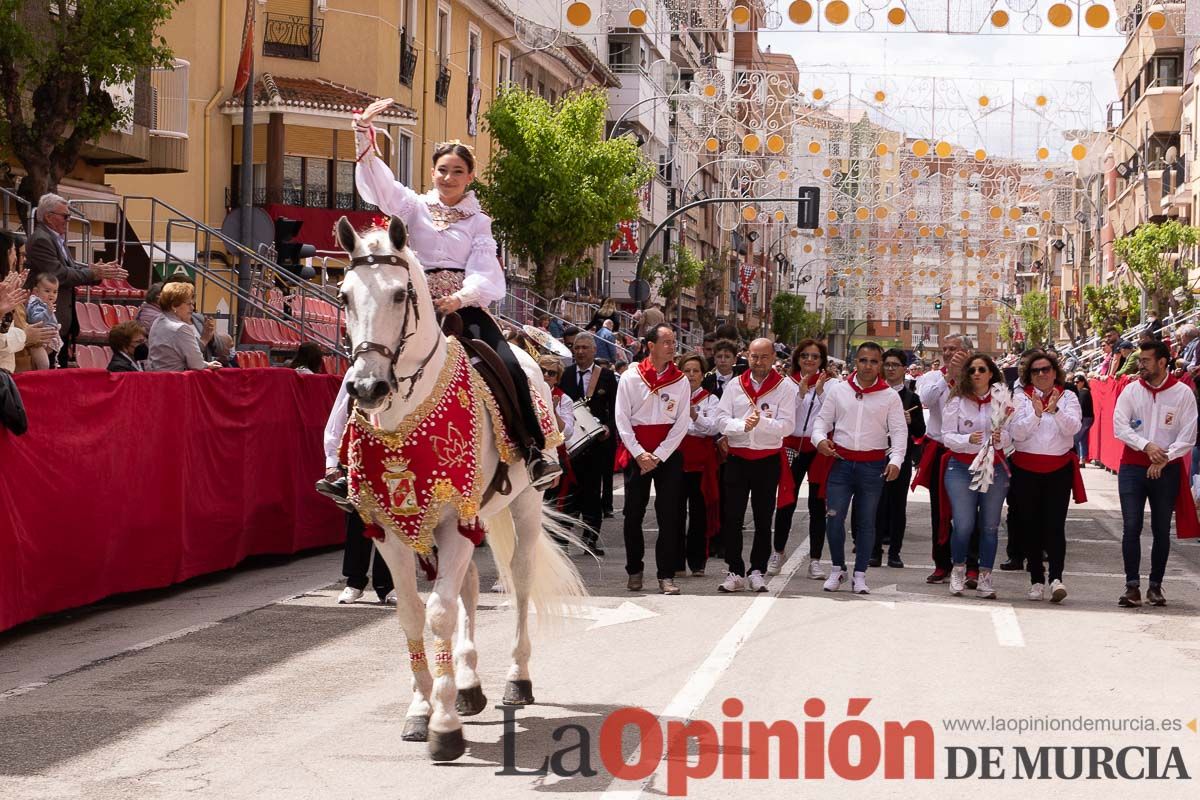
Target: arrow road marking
{"type": "Point", "coordinates": [602, 616]}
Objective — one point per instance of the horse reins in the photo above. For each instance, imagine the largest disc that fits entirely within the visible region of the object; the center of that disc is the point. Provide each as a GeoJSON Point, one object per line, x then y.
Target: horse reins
{"type": "Point", "coordinates": [393, 354]}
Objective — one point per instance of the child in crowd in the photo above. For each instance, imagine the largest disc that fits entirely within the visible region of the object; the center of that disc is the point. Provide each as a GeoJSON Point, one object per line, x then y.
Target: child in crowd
{"type": "Point", "coordinates": [40, 308]}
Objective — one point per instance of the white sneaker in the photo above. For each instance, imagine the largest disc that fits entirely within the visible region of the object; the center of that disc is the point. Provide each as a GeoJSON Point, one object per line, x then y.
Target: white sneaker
{"type": "Point", "coordinates": [498, 586]}
{"type": "Point", "coordinates": [837, 576]}
{"type": "Point", "coordinates": [1058, 592]}
{"type": "Point", "coordinates": [958, 579]}
{"type": "Point", "coordinates": [984, 589]}
{"type": "Point", "coordinates": [390, 600]}
{"type": "Point", "coordinates": [775, 564]}
{"type": "Point", "coordinates": [1037, 592]}
{"type": "Point", "coordinates": [349, 595]}
{"type": "Point", "coordinates": [732, 583]}
{"type": "Point", "coordinates": [757, 582]}
{"type": "Point", "coordinates": [860, 583]}
{"type": "Point", "coordinates": [815, 570]}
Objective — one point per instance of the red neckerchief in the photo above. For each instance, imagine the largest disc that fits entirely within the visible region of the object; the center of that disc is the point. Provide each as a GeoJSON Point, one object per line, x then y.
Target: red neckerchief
{"type": "Point", "coordinates": [1167, 384]}
{"type": "Point", "coordinates": [772, 380]}
{"type": "Point", "coordinates": [810, 381]}
{"type": "Point", "coordinates": [557, 393]}
{"type": "Point", "coordinates": [946, 375]}
{"type": "Point", "coordinates": [1030, 389]}
{"type": "Point", "coordinates": [654, 380]}
{"type": "Point", "coordinates": [982, 401]}
{"type": "Point", "coordinates": [879, 385]}
{"type": "Point", "coordinates": [699, 395]}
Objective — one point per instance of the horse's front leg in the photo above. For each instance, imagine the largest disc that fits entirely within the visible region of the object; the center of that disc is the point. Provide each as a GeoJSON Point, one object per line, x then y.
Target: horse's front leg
{"type": "Point", "coordinates": [471, 699]}
{"type": "Point", "coordinates": [526, 512]}
{"type": "Point", "coordinates": [446, 741]}
{"type": "Point", "coordinates": [411, 612]}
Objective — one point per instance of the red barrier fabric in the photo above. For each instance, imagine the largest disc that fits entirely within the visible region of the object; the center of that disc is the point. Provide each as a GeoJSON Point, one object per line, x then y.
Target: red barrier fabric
{"type": "Point", "coordinates": [1103, 446]}
{"type": "Point", "coordinates": [141, 480]}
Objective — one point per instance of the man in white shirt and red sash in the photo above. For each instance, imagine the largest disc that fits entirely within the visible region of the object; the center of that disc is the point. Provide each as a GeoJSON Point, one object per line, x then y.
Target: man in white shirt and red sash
{"type": "Point", "coordinates": [653, 413]}
{"type": "Point", "coordinates": [934, 390]}
{"type": "Point", "coordinates": [1156, 419]}
{"type": "Point", "coordinates": [756, 411]}
{"type": "Point", "coordinates": [861, 426]}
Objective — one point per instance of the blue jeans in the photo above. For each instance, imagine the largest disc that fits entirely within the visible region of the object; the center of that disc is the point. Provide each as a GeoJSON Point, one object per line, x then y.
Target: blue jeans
{"type": "Point", "coordinates": [1135, 489]}
{"type": "Point", "coordinates": [973, 510]}
{"type": "Point", "coordinates": [861, 481]}
{"type": "Point", "coordinates": [1081, 438]}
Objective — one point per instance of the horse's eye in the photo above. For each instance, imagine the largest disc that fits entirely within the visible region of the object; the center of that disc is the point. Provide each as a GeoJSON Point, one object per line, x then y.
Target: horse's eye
{"type": "Point", "coordinates": [400, 296]}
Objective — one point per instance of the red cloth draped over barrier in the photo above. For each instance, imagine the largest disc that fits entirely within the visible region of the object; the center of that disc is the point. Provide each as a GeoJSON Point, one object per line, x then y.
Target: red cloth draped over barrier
{"type": "Point", "coordinates": [1103, 446]}
{"type": "Point", "coordinates": [138, 481]}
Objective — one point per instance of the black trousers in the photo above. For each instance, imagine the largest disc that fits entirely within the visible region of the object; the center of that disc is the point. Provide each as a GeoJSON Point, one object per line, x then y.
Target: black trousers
{"type": "Point", "coordinates": [667, 479]}
{"type": "Point", "coordinates": [754, 482]}
{"type": "Point", "coordinates": [478, 324]}
{"type": "Point", "coordinates": [816, 510]}
{"type": "Point", "coordinates": [584, 502]}
{"type": "Point", "coordinates": [1037, 514]}
{"type": "Point", "coordinates": [692, 547]}
{"type": "Point", "coordinates": [891, 517]}
{"type": "Point", "coordinates": [356, 559]}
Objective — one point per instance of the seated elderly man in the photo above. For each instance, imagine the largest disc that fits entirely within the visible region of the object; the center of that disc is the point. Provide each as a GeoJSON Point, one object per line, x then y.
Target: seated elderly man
{"type": "Point", "coordinates": [174, 341]}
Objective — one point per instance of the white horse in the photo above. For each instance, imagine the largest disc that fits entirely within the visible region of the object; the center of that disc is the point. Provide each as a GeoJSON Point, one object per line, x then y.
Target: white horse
{"type": "Point", "coordinates": [398, 351]}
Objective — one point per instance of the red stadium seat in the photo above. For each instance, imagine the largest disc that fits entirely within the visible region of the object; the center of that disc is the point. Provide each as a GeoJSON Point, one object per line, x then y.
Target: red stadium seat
{"type": "Point", "coordinates": [91, 322]}
{"type": "Point", "coordinates": [108, 316]}
{"type": "Point", "coordinates": [263, 359]}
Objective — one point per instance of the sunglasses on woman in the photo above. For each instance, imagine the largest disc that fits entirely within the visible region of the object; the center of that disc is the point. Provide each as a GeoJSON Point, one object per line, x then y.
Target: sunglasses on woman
{"type": "Point", "coordinates": [1041, 370]}
{"type": "Point", "coordinates": [978, 370]}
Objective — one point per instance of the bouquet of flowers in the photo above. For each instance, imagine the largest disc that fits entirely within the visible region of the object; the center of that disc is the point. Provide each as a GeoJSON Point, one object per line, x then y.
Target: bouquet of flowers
{"type": "Point", "coordinates": [983, 468]}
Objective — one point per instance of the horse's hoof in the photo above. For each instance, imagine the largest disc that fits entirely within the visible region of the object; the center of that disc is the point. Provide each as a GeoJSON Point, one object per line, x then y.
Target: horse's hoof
{"type": "Point", "coordinates": [446, 746]}
{"type": "Point", "coordinates": [416, 729]}
{"type": "Point", "coordinates": [518, 693]}
{"type": "Point", "coordinates": [470, 701]}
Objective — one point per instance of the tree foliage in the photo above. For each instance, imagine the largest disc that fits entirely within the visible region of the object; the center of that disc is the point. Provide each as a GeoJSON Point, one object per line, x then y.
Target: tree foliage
{"type": "Point", "coordinates": [554, 186]}
{"type": "Point", "coordinates": [671, 278]}
{"type": "Point", "coordinates": [792, 322]}
{"type": "Point", "coordinates": [1112, 306]}
{"type": "Point", "coordinates": [58, 60]}
{"type": "Point", "coordinates": [1154, 254]}
{"type": "Point", "coordinates": [1035, 318]}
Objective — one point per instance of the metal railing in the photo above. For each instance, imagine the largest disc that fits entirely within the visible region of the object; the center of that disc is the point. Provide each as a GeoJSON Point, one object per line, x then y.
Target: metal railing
{"type": "Point", "coordinates": [287, 36]}
{"type": "Point", "coordinates": [408, 58]}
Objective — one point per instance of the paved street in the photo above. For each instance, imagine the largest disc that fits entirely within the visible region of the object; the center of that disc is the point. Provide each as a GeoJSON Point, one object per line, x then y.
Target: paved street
{"type": "Point", "coordinates": [254, 683]}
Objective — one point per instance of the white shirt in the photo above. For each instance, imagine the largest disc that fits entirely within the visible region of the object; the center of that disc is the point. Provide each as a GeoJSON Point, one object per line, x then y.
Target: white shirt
{"type": "Point", "coordinates": [11, 343]}
{"type": "Point", "coordinates": [585, 375]}
{"type": "Point", "coordinates": [876, 422]}
{"type": "Point", "coordinates": [467, 244]}
{"type": "Point", "coordinates": [566, 413]}
{"type": "Point", "coordinates": [670, 405]}
{"type": "Point", "coordinates": [963, 417]}
{"type": "Point", "coordinates": [776, 415]}
{"type": "Point", "coordinates": [1168, 418]}
{"type": "Point", "coordinates": [809, 406]}
{"type": "Point", "coordinates": [1050, 434]}
{"type": "Point", "coordinates": [335, 426]}
{"type": "Point", "coordinates": [934, 392]}
{"type": "Point", "coordinates": [705, 423]}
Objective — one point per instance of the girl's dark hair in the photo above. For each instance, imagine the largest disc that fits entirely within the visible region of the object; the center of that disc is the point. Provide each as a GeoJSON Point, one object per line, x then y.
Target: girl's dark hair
{"type": "Point", "coordinates": [456, 149]}
{"type": "Point", "coordinates": [1060, 376]}
{"type": "Point", "coordinates": [962, 385]}
{"type": "Point", "coordinates": [308, 355]}
{"type": "Point", "coordinates": [804, 345]}
{"type": "Point", "coordinates": [8, 241]}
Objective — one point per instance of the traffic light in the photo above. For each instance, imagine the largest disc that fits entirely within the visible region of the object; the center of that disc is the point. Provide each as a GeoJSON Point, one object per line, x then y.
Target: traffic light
{"type": "Point", "coordinates": [808, 207]}
{"type": "Point", "coordinates": [290, 253]}
{"type": "Point", "coordinates": [937, 303]}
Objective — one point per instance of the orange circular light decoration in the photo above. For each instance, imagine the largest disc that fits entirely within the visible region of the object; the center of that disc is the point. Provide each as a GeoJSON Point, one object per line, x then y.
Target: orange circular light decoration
{"type": "Point", "coordinates": [939, 231]}
{"type": "Point", "coordinates": [916, 173]}
{"type": "Point", "coordinates": [880, 96]}
{"type": "Point", "coordinates": [923, 230]}
{"type": "Point", "coordinates": [881, 149]}
{"type": "Point", "coordinates": [943, 149]}
{"type": "Point", "coordinates": [1041, 100]}
{"type": "Point", "coordinates": [751, 142]}
{"type": "Point", "coordinates": [964, 214]}
{"type": "Point", "coordinates": [579, 14]}
{"type": "Point", "coordinates": [780, 216]}
{"type": "Point", "coordinates": [1048, 175]}
{"type": "Point", "coordinates": [857, 233]}
{"type": "Point", "coordinates": [995, 212]}
{"type": "Point", "coordinates": [920, 148]}
{"type": "Point", "coordinates": [749, 213]}
{"type": "Point", "coordinates": [638, 17]}
{"type": "Point", "coordinates": [831, 216]}
{"type": "Point", "coordinates": [881, 212]}
{"type": "Point", "coordinates": [1096, 16]}
{"type": "Point", "coordinates": [740, 15]}
{"type": "Point", "coordinates": [775, 143]}
{"type": "Point", "coordinates": [984, 101]}
{"type": "Point", "coordinates": [800, 12]}
{"type": "Point", "coordinates": [817, 232]}
{"type": "Point", "coordinates": [1043, 153]}
{"type": "Point", "coordinates": [837, 12]}
{"type": "Point", "coordinates": [862, 213]}
{"type": "Point", "coordinates": [808, 248]}
{"type": "Point", "coordinates": [1031, 231]}
{"type": "Point", "coordinates": [1059, 15]}
{"type": "Point", "coordinates": [814, 147]}
{"type": "Point", "coordinates": [1014, 213]}
{"type": "Point", "coordinates": [1000, 19]}
{"type": "Point", "coordinates": [1079, 152]}
{"type": "Point", "coordinates": [911, 215]}
{"type": "Point", "coordinates": [1046, 215]}
{"type": "Point", "coordinates": [711, 144]}
{"type": "Point", "coordinates": [818, 94]}
{"type": "Point", "coordinates": [1156, 20]}
{"type": "Point", "coordinates": [826, 173]}
{"type": "Point", "coordinates": [795, 232]}
{"type": "Point", "coordinates": [710, 90]}
{"type": "Point", "coordinates": [783, 175]}
{"type": "Point", "coordinates": [833, 231]}
{"type": "Point", "coordinates": [896, 16]}
{"type": "Point", "coordinates": [981, 155]}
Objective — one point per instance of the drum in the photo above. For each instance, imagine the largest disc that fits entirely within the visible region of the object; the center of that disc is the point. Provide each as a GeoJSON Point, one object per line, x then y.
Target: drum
{"type": "Point", "coordinates": [588, 429]}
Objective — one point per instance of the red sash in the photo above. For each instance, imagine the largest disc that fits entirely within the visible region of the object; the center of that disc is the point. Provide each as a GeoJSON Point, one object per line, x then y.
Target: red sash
{"type": "Point", "coordinates": [1186, 525]}
{"type": "Point", "coordinates": [930, 461]}
{"type": "Point", "coordinates": [648, 436]}
{"type": "Point", "coordinates": [1043, 464]}
{"type": "Point", "coordinates": [822, 465]}
{"type": "Point", "coordinates": [700, 455]}
{"type": "Point", "coordinates": [802, 443]}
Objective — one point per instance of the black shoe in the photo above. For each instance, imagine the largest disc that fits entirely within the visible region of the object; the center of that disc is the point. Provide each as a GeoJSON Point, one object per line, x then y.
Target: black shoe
{"type": "Point", "coordinates": [895, 563]}
{"type": "Point", "coordinates": [593, 544]}
{"type": "Point", "coordinates": [1131, 599]}
{"type": "Point", "coordinates": [1154, 595]}
{"type": "Point", "coordinates": [542, 471]}
{"type": "Point", "coordinates": [608, 514]}
{"type": "Point", "coordinates": [336, 491]}
{"type": "Point", "coordinates": [1013, 565]}
{"type": "Point", "coordinates": [875, 562]}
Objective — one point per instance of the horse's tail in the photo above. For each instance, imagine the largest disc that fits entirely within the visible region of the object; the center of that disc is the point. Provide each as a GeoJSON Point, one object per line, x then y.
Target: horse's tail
{"type": "Point", "coordinates": [556, 584]}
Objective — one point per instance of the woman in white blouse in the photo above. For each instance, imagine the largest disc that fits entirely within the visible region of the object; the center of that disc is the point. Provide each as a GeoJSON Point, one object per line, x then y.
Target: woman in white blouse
{"type": "Point", "coordinates": [453, 239]}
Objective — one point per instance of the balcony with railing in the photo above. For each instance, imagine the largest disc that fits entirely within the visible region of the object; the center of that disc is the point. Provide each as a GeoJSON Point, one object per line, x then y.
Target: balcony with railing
{"type": "Point", "coordinates": [287, 36]}
{"type": "Point", "coordinates": [441, 89]}
{"type": "Point", "coordinates": [166, 116]}
{"type": "Point", "coordinates": [408, 58]}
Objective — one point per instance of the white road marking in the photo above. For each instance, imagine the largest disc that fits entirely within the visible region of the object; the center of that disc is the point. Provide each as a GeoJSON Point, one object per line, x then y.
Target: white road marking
{"type": "Point", "coordinates": [602, 617]}
{"type": "Point", "coordinates": [1008, 629]}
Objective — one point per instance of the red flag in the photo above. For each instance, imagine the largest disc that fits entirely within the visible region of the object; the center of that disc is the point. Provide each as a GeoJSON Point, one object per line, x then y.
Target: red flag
{"type": "Point", "coordinates": [246, 62]}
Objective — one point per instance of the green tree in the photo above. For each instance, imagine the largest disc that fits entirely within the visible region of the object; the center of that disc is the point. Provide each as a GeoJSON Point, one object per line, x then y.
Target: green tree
{"type": "Point", "coordinates": [670, 279]}
{"type": "Point", "coordinates": [1035, 318]}
{"type": "Point", "coordinates": [1154, 254]}
{"type": "Point", "coordinates": [554, 186]}
{"type": "Point", "coordinates": [791, 321]}
{"type": "Point", "coordinates": [1111, 306]}
{"type": "Point", "coordinates": [57, 62]}
{"type": "Point", "coordinates": [709, 287]}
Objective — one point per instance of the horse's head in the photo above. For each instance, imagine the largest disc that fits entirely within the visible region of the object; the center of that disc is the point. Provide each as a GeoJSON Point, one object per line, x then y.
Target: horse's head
{"type": "Point", "coordinates": [387, 308]}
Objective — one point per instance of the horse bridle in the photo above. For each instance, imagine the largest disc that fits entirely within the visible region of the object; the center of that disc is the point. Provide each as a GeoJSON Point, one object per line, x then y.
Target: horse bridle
{"type": "Point", "coordinates": [392, 354]}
